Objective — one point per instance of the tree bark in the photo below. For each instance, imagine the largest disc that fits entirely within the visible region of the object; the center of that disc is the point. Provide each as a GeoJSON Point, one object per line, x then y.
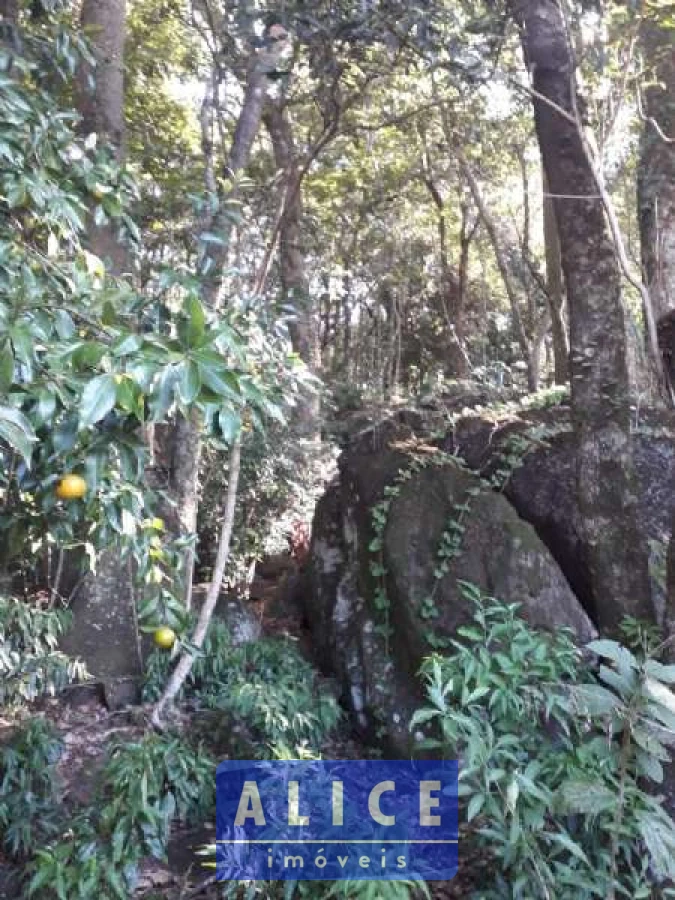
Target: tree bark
{"type": "Point", "coordinates": [670, 594]}
{"type": "Point", "coordinates": [262, 62]}
{"type": "Point", "coordinates": [554, 289]}
{"type": "Point", "coordinates": [100, 101]}
{"type": "Point", "coordinates": [294, 281]}
{"type": "Point", "coordinates": [185, 441]}
{"type": "Point", "coordinates": [451, 289]}
{"type": "Point", "coordinates": [598, 361]}
{"type": "Point", "coordinates": [656, 181]}
{"type": "Point", "coordinates": [105, 627]}
{"type": "Point", "coordinates": [9, 10]}
{"type": "Point", "coordinates": [656, 171]}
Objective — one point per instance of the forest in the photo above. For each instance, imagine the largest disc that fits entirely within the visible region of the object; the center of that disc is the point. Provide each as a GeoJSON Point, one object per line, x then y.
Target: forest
{"type": "Point", "coordinates": [337, 388]}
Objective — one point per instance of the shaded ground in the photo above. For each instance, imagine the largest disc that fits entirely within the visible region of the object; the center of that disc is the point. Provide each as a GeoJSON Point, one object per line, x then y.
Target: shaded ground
{"type": "Point", "coordinates": [86, 726]}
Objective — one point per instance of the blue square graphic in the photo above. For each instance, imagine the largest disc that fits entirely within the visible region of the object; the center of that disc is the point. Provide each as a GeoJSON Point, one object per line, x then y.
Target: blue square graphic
{"type": "Point", "coordinates": [336, 819]}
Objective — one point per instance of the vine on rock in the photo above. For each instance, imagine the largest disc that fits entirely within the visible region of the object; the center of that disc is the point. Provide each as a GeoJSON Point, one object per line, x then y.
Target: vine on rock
{"type": "Point", "coordinates": [508, 460]}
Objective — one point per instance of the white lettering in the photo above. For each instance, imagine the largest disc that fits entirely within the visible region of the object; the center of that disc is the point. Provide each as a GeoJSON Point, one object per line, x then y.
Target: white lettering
{"type": "Point", "coordinates": [374, 803]}
{"type": "Point", "coordinates": [427, 802]}
{"type": "Point", "coordinates": [294, 817]}
{"type": "Point", "coordinates": [250, 806]}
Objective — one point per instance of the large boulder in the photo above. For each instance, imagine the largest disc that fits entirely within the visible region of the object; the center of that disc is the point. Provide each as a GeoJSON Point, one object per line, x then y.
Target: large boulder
{"type": "Point", "coordinates": [240, 616]}
{"type": "Point", "coordinates": [382, 596]}
{"type": "Point", "coordinates": [531, 458]}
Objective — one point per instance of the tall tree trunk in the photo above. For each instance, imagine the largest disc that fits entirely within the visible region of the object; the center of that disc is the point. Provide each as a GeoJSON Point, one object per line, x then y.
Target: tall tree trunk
{"type": "Point", "coordinates": [100, 100]}
{"type": "Point", "coordinates": [294, 281]}
{"type": "Point", "coordinates": [185, 438]}
{"type": "Point", "coordinates": [187, 657]}
{"type": "Point", "coordinates": [262, 62]}
{"type": "Point", "coordinates": [670, 591]}
{"type": "Point", "coordinates": [467, 232]}
{"type": "Point", "coordinates": [105, 632]}
{"type": "Point", "coordinates": [530, 358]}
{"type": "Point", "coordinates": [554, 289]}
{"type": "Point", "coordinates": [656, 177]}
{"type": "Point", "coordinates": [451, 293]}
{"type": "Point", "coordinates": [599, 370]}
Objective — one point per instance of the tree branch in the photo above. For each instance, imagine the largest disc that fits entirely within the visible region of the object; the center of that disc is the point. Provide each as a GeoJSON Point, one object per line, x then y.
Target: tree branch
{"type": "Point", "coordinates": [184, 664]}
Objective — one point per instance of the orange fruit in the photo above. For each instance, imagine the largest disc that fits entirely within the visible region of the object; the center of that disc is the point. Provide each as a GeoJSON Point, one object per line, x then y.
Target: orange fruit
{"type": "Point", "coordinates": [71, 487]}
{"type": "Point", "coordinates": [164, 637]}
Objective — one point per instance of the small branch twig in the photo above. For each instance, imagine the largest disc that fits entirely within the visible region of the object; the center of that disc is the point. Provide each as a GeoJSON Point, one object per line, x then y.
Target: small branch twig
{"type": "Point", "coordinates": [184, 664]}
{"type": "Point", "coordinates": [56, 583]}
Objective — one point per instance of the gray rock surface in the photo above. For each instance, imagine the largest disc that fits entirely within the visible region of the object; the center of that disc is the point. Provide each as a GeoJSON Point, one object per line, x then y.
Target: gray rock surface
{"type": "Point", "coordinates": [376, 651]}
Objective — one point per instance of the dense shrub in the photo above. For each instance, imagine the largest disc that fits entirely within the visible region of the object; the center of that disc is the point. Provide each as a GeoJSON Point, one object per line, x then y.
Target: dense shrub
{"type": "Point", "coordinates": [560, 761]}
{"type": "Point", "coordinates": [30, 664]}
{"type": "Point", "coordinates": [29, 793]}
{"type": "Point", "coordinates": [281, 479]}
{"type": "Point", "coordinates": [265, 685]}
{"type": "Point", "coordinates": [144, 787]}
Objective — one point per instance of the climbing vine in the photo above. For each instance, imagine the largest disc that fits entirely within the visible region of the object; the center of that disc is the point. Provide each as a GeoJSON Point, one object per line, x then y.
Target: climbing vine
{"type": "Point", "coordinates": [509, 458]}
{"type": "Point", "coordinates": [420, 458]}
{"type": "Point", "coordinates": [379, 518]}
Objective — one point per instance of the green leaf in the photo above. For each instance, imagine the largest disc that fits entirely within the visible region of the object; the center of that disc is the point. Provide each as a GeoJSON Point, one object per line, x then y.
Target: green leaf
{"type": "Point", "coordinates": [129, 397]}
{"type": "Point", "coordinates": [46, 406]}
{"type": "Point", "coordinates": [221, 381]}
{"type": "Point", "coordinates": [660, 694]}
{"type": "Point", "coordinates": [98, 398]}
{"type": "Point", "coordinates": [24, 347]}
{"type": "Point", "coordinates": [658, 833]}
{"type": "Point", "coordinates": [6, 366]}
{"type": "Point", "coordinates": [17, 431]}
{"type": "Point", "coordinates": [475, 805]}
{"type": "Point", "coordinates": [64, 435]}
{"type": "Point", "coordinates": [88, 354]}
{"type": "Point", "coordinates": [660, 672]}
{"type": "Point", "coordinates": [189, 382]}
{"type": "Point", "coordinates": [585, 797]}
{"type": "Point", "coordinates": [196, 322]}
{"type": "Point", "coordinates": [649, 743]}
{"type": "Point", "coordinates": [229, 423]}
{"type": "Point", "coordinates": [623, 684]}
{"type": "Point", "coordinates": [164, 394]}
{"type": "Point", "coordinates": [594, 699]}
{"type": "Point", "coordinates": [128, 345]}
{"type": "Point", "coordinates": [623, 658]}
{"type": "Point", "coordinates": [649, 767]}
{"type": "Point", "coordinates": [565, 841]}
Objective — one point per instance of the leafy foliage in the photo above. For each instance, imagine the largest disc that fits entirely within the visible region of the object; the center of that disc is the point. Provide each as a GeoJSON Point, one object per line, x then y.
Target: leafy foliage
{"type": "Point", "coordinates": [144, 786]}
{"type": "Point", "coordinates": [555, 756]}
{"type": "Point", "coordinates": [86, 363]}
{"type": "Point", "coordinates": [28, 791]}
{"type": "Point", "coordinates": [265, 685]}
{"type": "Point", "coordinates": [147, 784]}
{"type": "Point", "coordinates": [280, 481]}
{"type": "Point", "coordinates": [30, 664]}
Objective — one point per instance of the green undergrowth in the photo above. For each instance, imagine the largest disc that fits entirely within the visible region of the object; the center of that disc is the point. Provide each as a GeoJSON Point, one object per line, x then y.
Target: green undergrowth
{"type": "Point", "coordinates": [562, 759]}
{"type": "Point", "coordinates": [265, 686]}
{"type": "Point", "coordinates": [92, 851]}
{"type": "Point", "coordinates": [31, 666]}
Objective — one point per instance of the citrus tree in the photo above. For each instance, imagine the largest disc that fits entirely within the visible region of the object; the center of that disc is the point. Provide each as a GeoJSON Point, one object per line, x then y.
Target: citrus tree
{"type": "Point", "coordinates": [87, 363]}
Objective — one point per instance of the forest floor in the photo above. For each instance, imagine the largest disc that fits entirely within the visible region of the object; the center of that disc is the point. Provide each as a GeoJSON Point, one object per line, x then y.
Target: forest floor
{"type": "Point", "coordinates": [87, 726]}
